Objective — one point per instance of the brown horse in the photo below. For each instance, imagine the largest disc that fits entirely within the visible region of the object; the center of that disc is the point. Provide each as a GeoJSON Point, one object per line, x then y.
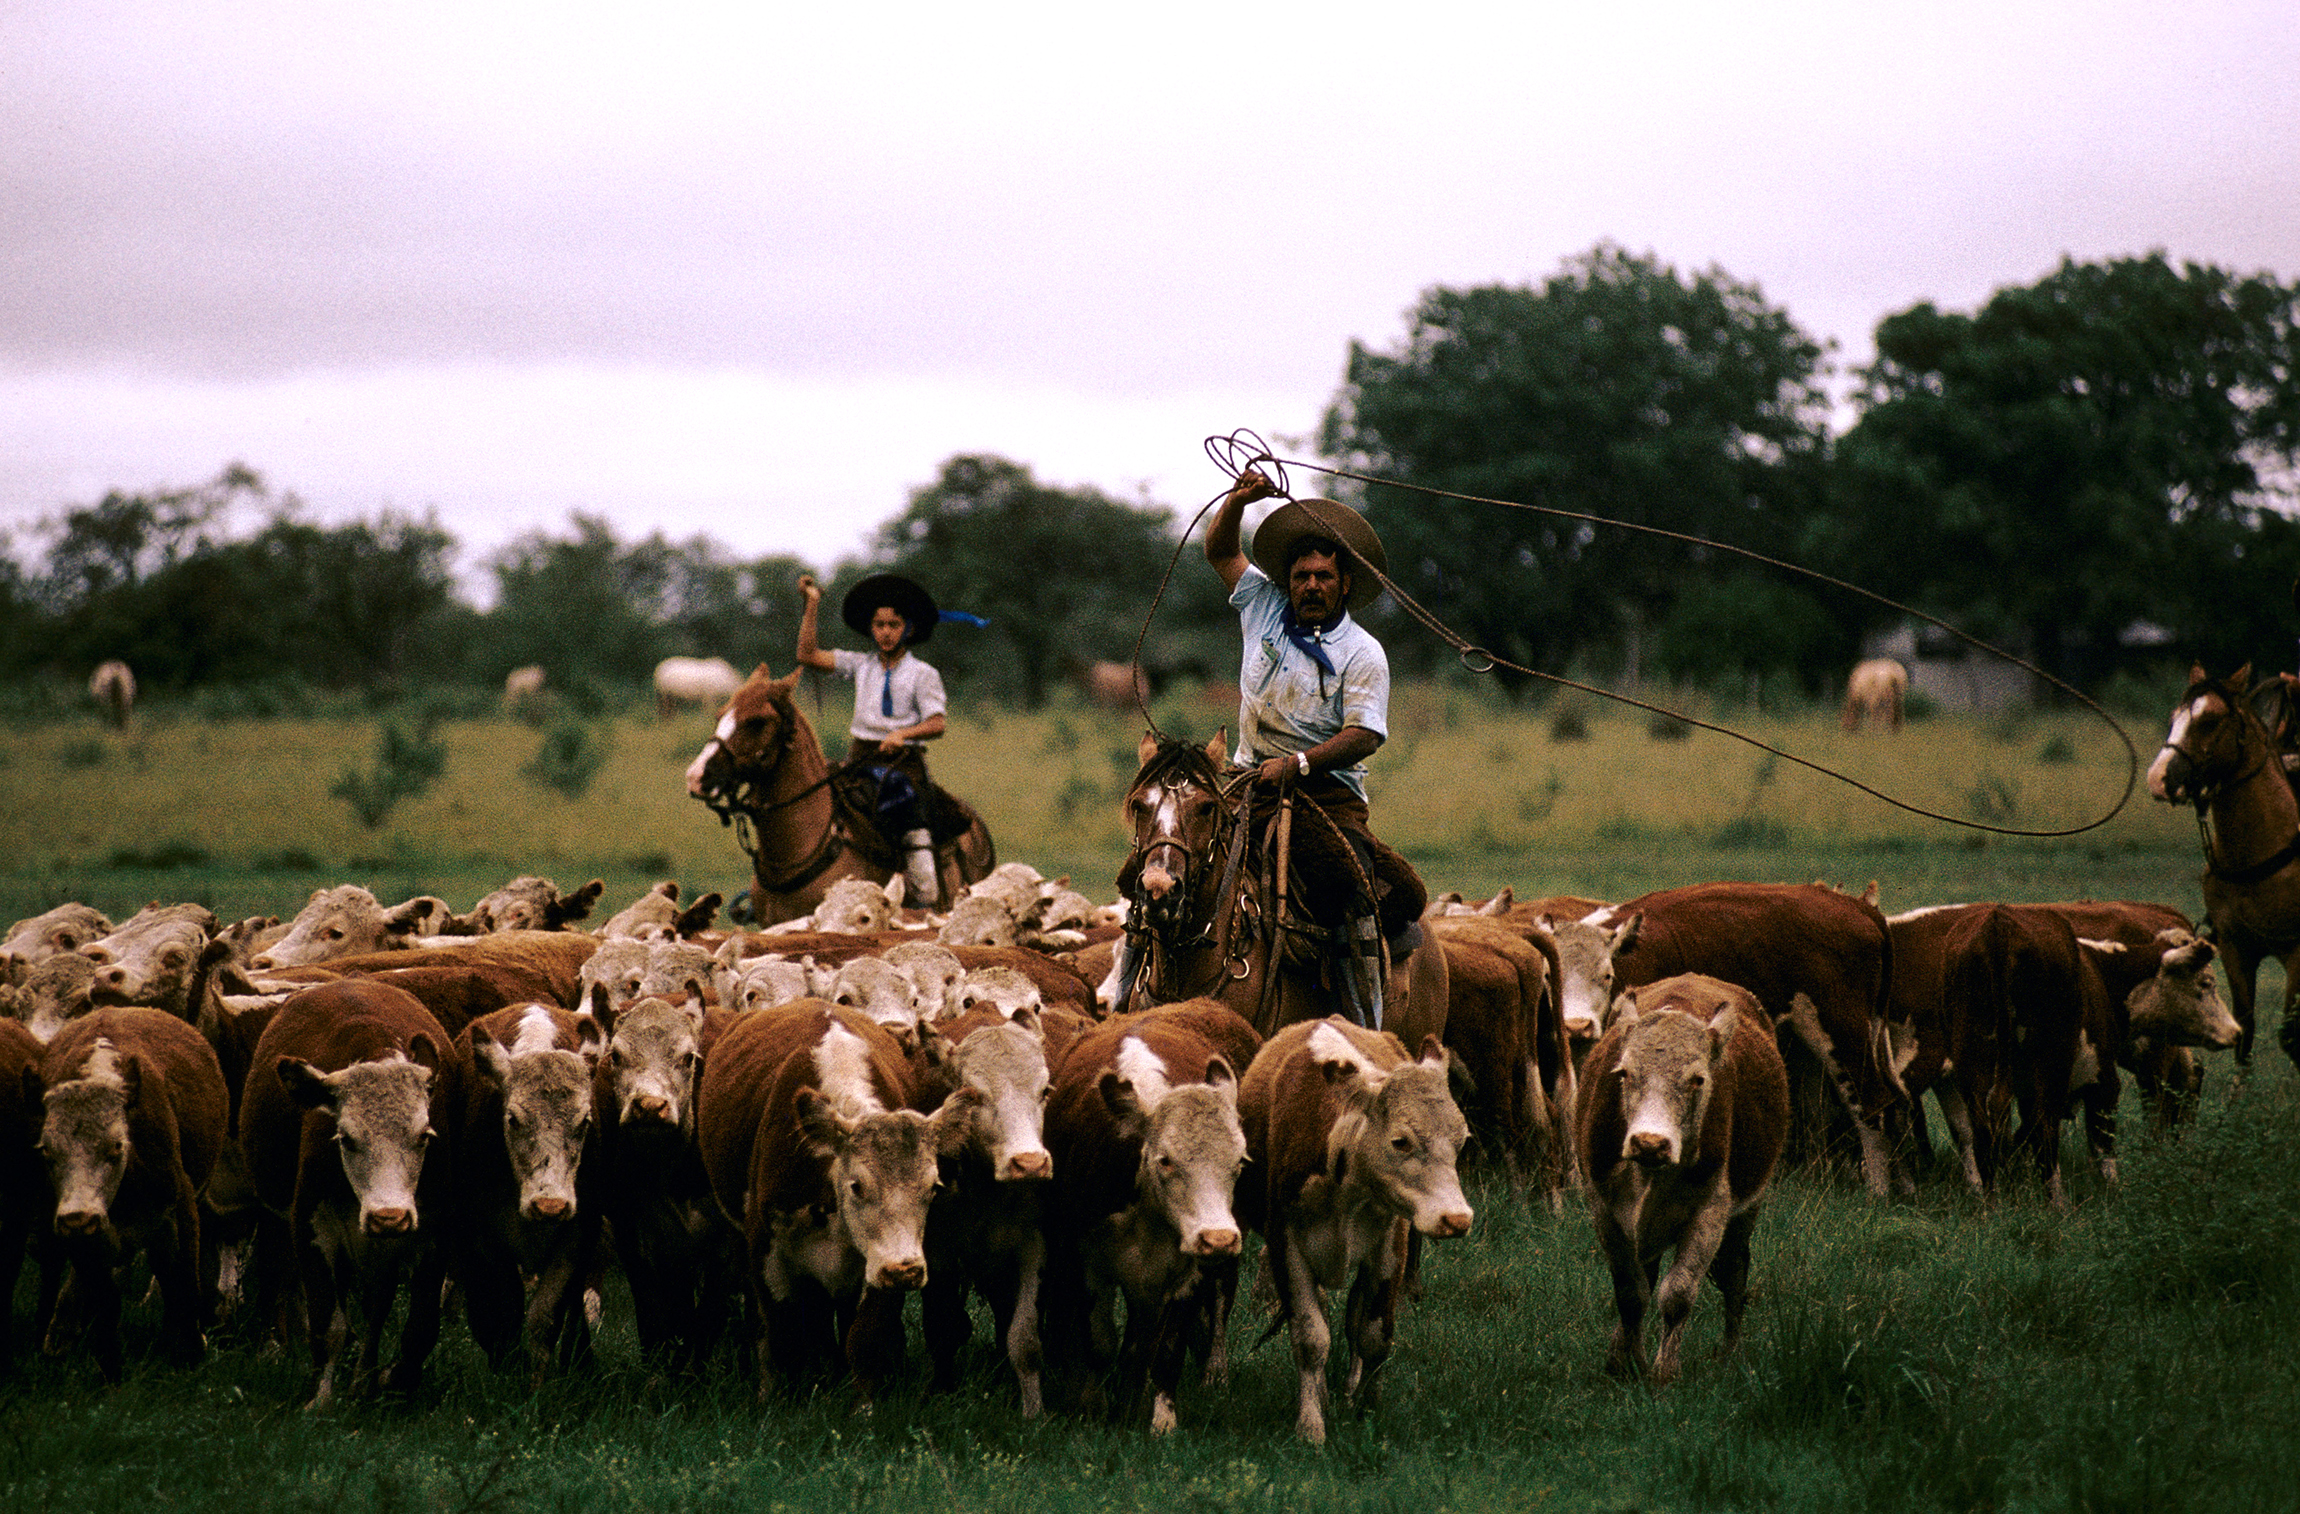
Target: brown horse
{"type": "Point", "coordinates": [1210, 916]}
{"type": "Point", "coordinates": [2220, 758]}
{"type": "Point", "coordinates": [798, 816]}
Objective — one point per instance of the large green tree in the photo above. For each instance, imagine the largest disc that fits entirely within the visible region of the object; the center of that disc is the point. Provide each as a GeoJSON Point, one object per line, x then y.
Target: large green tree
{"type": "Point", "coordinates": [2111, 444]}
{"type": "Point", "coordinates": [1064, 575]}
{"type": "Point", "coordinates": [1619, 388]}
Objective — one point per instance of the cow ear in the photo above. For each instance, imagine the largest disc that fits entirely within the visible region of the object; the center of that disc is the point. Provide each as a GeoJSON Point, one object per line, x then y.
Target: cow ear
{"type": "Point", "coordinates": [575, 906]}
{"type": "Point", "coordinates": [894, 890]}
{"type": "Point", "coordinates": [1722, 1024]}
{"type": "Point", "coordinates": [2239, 679]}
{"type": "Point", "coordinates": [933, 1046]}
{"type": "Point", "coordinates": [1625, 935]}
{"type": "Point", "coordinates": [590, 1039]}
{"type": "Point", "coordinates": [489, 1058]}
{"type": "Point", "coordinates": [1434, 1055]}
{"type": "Point", "coordinates": [952, 1124]}
{"type": "Point", "coordinates": [699, 915]}
{"type": "Point", "coordinates": [821, 1126]}
{"type": "Point", "coordinates": [1499, 904]}
{"type": "Point", "coordinates": [409, 918]}
{"type": "Point", "coordinates": [1218, 746]}
{"type": "Point", "coordinates": [131, 1079]}
{"type": "Point", "coordinates": [423, 1051]}
{"type": "Point", "coordinates": [1125, 1105]}
{"type": "Point", "coordinates": [1223, 1078]}
{"type": "Point", "coordinates": [1624, 1008]}
{"type": "Point", "coordinates": [304, 1084]}
{"type": "Point", "coordinates": [602, 1012]}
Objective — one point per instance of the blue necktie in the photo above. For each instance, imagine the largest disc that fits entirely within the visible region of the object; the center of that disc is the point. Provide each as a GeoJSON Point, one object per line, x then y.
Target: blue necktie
{"type": "Point", "coordinates": [886, 691]}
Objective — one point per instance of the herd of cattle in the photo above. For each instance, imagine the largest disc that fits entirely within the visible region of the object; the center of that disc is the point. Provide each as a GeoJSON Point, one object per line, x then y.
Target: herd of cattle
{"type": "Point", "coordinates": [791, 1130]}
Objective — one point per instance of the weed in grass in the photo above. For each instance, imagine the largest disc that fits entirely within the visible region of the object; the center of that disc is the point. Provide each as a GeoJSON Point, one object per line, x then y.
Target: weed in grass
{"type": "Point", "coordinates": [1569, 724]}
{"type": "Point", "coordinates": [1993, 799]}
{"type": "Point", "coordinates": [1669, 728]}
{"type": "Point", "coordinates": [649, 862]}
{"type": "Point", "coordinates": [292, 859]}
{"type": "Point", "coordinates": [81, 755]}
{"type": "Point", "coordinates": [164, 858]}
{"type": "Point", "coordinates": [407, 763]}
{"type": "Point", "coordinates": [570, 756]}
{"type": "Point", "coordinates": [1750, 833]}
{"type": "Point", "coordinates": [1061, 736]}
{"type": "Point", "coordinates": [1535, 805]}
{"type": "Point", "coordinates": [2057, 749]}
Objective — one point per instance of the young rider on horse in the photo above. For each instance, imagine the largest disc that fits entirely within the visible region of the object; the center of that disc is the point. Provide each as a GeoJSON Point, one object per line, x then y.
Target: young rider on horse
{"type": "Point", "coordinates": [899, 704]}
{"type": "Point", "coordinates": [1313, 705]}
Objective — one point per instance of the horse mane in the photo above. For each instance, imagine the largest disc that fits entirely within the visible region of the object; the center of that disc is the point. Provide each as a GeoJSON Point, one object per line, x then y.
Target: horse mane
{"type": "Point", "coordinates": [1177, 757]}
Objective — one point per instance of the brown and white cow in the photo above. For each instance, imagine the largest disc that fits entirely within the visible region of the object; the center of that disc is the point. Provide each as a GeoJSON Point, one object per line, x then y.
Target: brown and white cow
{"type": "Point", "coordinates": [66, 928]}
{"type": "Point", "coordinates": [54, 993]}
{"type": "Point", "coordinates": [527, 902]}
{"type": "Point", "coordinates": [986, 1231]}
{"type": "Point", "coordinates": [134, 1116]}
{"type": "Point", "coordinates": [677, 1250]}
{"type": "Point", "coordinates": [1147, 1144]}
{"type": "Point", "coordinates": [1875, 691]}
{"type": "Point", "coordinates": [164, 957]}
{"type": "Point", "coordinates": [347, 921]}
{"type": "Point", "coordinates": [1818, 963]}
{"type": "Point", "coordinates": [1352, 1146]}
{"type": "Point", "coordinates": [1502, 1027]}
{"type": "Point", "coordinates": [657, 916]}
{"type": "Point", "coordinates": [1684, 1110]}
{"type": "Point", "coordinates": [343, 1124]}
{"type": "Point", "coordinates": [813, 1155]}
{"type": "Point", "coordinates": [523, 1129]}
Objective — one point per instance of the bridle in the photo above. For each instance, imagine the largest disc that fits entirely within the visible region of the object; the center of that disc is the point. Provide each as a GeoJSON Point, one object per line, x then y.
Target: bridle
{"type": "Point", "coordinates": [739, 801]}
{"type": "Point", "coordinates": [1179, 764]}
{"type": "Point", "coordinates": [2202, 794]}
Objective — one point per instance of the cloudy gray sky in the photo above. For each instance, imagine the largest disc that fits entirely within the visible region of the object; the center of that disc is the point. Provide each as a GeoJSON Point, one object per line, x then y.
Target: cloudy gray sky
{"type": "Point", "coordinates": [755, 270]}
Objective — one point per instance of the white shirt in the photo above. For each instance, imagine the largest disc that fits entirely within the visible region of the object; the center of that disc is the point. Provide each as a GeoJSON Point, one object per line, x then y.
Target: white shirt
{"type": "Point", "coordinates": [1286, 702]}
{"type": "Point", "coordinates": [915, 686]}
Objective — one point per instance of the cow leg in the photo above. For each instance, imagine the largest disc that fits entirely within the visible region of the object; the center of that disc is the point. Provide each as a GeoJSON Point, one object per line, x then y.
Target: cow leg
{"type": "Point", "coordinates": [1805, 1021]}
{"type": "Point", "coordinates": [1730, 1271]}
{"type": "Point", "coordinates": [378, 1285]}
{"type": "Point", "coordinates": [1632, 1292]}
{"type": "Point", "coordinates": [874, 1343]}
{"type": "Point", "coordinates": [426, 1309]}
{"type": "Point", "coordinates": [1957, 1114]}
{"type": "Point", "coordinates": [2100, 1098]}
{"type": "Point", "coordinates": [942, 1308]}
{"type": "Point", "coordinates": [1371, 1316]}
{"type": "Point", "coordinates": [1022, 1343]}
{"type": "Point", "coordinates": [1221, 1281]}
{"type": "Point", "coordinates": [176, 1268]}
{"type": "Point", "coordinates": [1697, 1248]}
{"type": "Point", "coordinates": [328, 1328]}
{"type": "Point", "coordinates": [1168, 1347]}
{"type": "Point", "coordinates": [492, 1303]}
{"type": "Point", "coordinates": [98, 1285]}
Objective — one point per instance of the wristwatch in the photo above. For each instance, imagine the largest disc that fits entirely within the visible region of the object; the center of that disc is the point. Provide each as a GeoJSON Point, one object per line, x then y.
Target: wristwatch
{"type": "Point", "coordinates": [1302, 761]}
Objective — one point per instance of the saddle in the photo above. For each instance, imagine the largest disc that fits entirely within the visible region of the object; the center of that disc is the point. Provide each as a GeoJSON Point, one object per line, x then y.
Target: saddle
{"type": "Point", "coordinates": [863, 793]}
{"type": "Point", "coordinates": [2276, 703]}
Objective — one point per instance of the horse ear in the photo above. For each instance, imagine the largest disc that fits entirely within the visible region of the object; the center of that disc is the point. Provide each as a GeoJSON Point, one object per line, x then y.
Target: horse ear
{"type": "Point", "coordinates": [2196, 673]}
{"type": "Point", "coordinates": [1146, 749]}
{"type": "Point", "coordinates": [779, 689]}
{"type": "Point", "coordinates": [1218, 748]}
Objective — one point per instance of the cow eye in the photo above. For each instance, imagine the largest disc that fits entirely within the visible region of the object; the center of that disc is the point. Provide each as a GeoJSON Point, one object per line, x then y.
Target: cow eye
{"type": "Point", "coordinates": [1165, 1163]}
{"type": "Point", "coordinates": [335, 935]}
{"type": "Point", "coordinates": [1697, 1081]}
{"type": "Point", "coordinates": [350, 1143]}
{"type": "Point", "coordinates": [1401, 1144]}
{"type": "Point", "coordinates": [855, 1187]}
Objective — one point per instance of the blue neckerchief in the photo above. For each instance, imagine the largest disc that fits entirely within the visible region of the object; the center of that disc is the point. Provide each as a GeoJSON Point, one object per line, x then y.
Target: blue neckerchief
{"type": "Point", "coordinates": [1308, 639]}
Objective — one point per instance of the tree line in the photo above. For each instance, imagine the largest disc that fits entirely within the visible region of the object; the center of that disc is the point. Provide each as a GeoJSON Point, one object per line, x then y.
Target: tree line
{"type": "Point", "coordinates": [2093, 469]}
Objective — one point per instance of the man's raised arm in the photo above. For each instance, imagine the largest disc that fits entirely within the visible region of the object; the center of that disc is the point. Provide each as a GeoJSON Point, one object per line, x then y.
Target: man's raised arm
{"type": "Point", "coordinates": [1223, 548]}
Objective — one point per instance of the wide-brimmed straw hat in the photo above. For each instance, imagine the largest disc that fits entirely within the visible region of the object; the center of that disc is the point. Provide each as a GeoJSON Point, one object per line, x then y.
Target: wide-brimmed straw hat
{"type": "Point", "coordinates": [912, 603]}
{"type": "Point", "coordinates": [1274, 542]}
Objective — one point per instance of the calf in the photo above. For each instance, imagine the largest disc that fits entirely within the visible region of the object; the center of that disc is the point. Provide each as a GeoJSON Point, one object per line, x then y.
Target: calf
{"type": "Point", "coordinates": [522, 1131]}
{"type": "Point", "coordinates": [1143, 1125]}
{"type": "Point", "coordinates": [347, 921]}
{"type": "Point", "coordinates": [164, 957]}
{"type": "Point", "coordinates": [1352, 1147]}
{"type": "Point", "coordinates": [351, 1084]}
{"type": "Point", "coordinates": [134, 1115]}
{"type": "Point", "coordinates": [881, 992]}
{"type": "Point", "coordinates": [656, 916]}
{"type": "Point", "coordinates": [813, 1155]}
{"type": "Point", "coordinates": [66, 928]}
{"type": "Point", "coordinates": [528, 903]}
{"type": "Point", "coordinates": [676, 1247]}
{"type": "Point", "coordinates": [986, 1232]}
{"type": "Point", "coordinates": [1684, 1110]}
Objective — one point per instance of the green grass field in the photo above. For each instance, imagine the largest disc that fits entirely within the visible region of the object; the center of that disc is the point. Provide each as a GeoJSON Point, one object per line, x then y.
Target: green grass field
{"type": "Point", "coordinates": [1934, 1354]}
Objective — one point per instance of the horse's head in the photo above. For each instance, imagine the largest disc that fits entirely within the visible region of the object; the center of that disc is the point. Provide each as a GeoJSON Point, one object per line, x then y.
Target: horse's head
{"type": "Point", "coordinates": [754, 731]}
{"type": "Point", "coordinates": [1173, 807]}
{"type": "Point", "coordinates": [2214, 739]}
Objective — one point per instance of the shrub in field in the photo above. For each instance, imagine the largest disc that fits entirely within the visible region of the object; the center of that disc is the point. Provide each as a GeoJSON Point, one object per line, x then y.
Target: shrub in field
{"type": "Point", "coordinates": [407, 763]}
{"type": "Point", "coordinates": [2057, 749]}
{"type": "Point", "coordinates": [83, 754]}
{"type": "Point", "coordinates": [569, 758]}
{"type": "Point", "coordinates": [164, 858]}
{"type": "Point", "coordinates": [1569, 724]}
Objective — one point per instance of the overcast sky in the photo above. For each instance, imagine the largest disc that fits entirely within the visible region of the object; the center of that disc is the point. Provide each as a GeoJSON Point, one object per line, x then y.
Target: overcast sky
{"type": "Point", "coordinates": [754, 271]}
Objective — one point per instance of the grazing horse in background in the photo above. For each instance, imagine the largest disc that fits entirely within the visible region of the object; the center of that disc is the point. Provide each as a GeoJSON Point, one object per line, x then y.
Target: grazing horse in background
{"type": "Point", "coordinates": [1211, 917]}
{"type": "Point", "coordinates": [114, 687]}
{"type": "Point", "coordinates": [1875, 691]}
{"type": "Point", "coordinates": [811, 820]}
{"type": "Point", "coordinates": [2219, 757]}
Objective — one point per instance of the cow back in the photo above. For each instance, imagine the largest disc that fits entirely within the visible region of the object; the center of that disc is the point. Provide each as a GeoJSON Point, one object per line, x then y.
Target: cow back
{"type": "Point", "coordinates": [1094, 1163]}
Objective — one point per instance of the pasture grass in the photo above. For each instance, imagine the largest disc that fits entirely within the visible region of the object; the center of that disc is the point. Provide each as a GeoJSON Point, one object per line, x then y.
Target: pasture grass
{"type": "Point", "coordinates": [1940, 1353]}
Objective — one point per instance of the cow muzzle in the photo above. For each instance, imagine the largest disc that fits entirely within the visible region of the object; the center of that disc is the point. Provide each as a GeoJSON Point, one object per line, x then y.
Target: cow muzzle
{"type": "Point", "coordinates": [81, 1224]}
{"type": "Point", "coordinates": [1451, 1225]}
{"type": "Point", "coordinates": [388, 1222]}
{"type": "Point", "coordinates": [1647, 1148]}
{"type": "Point", "coordinates": [904, 1276]}
{"type": "Point", "coordinates": [1024, 1166]}
{"type": "Point", "coordinates": [1215, 1243]}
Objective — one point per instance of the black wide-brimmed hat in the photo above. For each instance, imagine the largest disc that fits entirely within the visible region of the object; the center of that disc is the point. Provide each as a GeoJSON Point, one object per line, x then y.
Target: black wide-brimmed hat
{"type": "Point", "coordinates": [1274, 543]}
{"type": "Point", "coordinates": [912, 603]}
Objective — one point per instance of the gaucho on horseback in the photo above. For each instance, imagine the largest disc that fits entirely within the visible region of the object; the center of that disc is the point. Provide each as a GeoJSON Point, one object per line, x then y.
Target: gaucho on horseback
{"type": "Point", "coordinates": [1313, 705]}
{"type": "Point", "coordinates": [899, 706]}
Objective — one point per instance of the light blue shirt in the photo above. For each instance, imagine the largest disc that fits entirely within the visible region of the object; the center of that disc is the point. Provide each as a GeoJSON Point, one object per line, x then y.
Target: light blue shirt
{"type": "Point", "coordinates": [916, 690]}
{"type": "Point", "coordinates": [1286, 702]}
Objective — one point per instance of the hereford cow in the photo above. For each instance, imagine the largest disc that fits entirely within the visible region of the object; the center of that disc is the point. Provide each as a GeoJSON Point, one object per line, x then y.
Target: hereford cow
{"type": "Point", "coordinates": [677, 1249]}
{"type": "Point", "coordinates": [1818, 962]}
{"type": "Point", "coordinates": [1114, 685]}
{"type": "Point", "coordinates": [527, 902]}
{"type": "Point", "coordinates": [985, 1232]}
{"type": "Point", "coordinates": [353, 1085]}
{"type": "Point", "coordinates": [814, 1156]}
{"type": "Point", "coordinates": [523, 1237]}
{"type": "Point", "coordinates": [134, 1116]}
{"type": "Point", "coordinates": [1874, 691]}
{"type": "Point", "coordinates": [66, 928]}
{"type": "Point", "coordinates": [1501, 1025]}
{"type": "Point", "coordinates": [706, 681]}
{"type": "Point", "coordinates": [163, 957]}
{"type": "Point", "coordinates": [53, 994]}
{"type": "Point", "coordinates": [1143, 1125]}
{"type": "Point", "coordinates": [348, 921]}
{"type": "Point", "coordinates": [1351, 1146]}
{"type": "Point", "coordinates": [113, 687]}
{"type": "Point", "coordinates": [656, 916]}
{"type": "Point", "coordinates": [1684, 1109]}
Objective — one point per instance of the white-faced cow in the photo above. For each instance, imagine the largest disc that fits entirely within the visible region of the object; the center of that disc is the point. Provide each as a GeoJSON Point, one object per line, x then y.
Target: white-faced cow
{"type": "Point", "coordinates": [1147, 1145]}
{"type": "Point", "coordinates": [706, 681]}
{"type": "Point", "coordinates": [813, 1155]}
{"type": "Point", "coordinates": [344, 1123]}
{"type": "Point", "coordinates": [347, 921]}
{"type": "Point", "coordinates": [528, 902]}
{"type": "Point", "coordinates": [134, 1116]}
{"type": "Point", "coordinates": [1353, 1147]}
{"type": "Point", "coordinates": [1684, 1109]}
{"type": "Point", "coordinates": [656, 916]}
{"type": "Point", "coordinates": [66, 928]}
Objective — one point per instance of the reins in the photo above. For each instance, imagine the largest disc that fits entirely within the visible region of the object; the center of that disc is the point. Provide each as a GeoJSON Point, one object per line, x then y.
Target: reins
{"type": "Point", "coordinates": [2276, 861]}
{"type": "Point", "coordinates": [1242, 449]}
{"type": "Point", "coordinates": [736, 805]}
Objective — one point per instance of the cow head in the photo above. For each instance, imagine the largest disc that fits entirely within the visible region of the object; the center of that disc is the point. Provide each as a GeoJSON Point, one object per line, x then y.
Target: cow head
{"type": "Point", "coordinates": [347, 921]}
{"type": "Point", "coordinates": [1666, 1069]}
{"type": "Point", "coordinates": [654, 1054]}
{"type": "Point", "coordinates": [1006, 1064]}
{"type": "Point", "coordinates": [1586, 950]}
{"type": "Point", "coordinates": [55, 993]}
{"type": "Point", "coordinates": [883, 1169]}
{"type": "Point", "coordinates": [859, 907]}
{"type": "Point", "coordinates": [1399, 1134]}
{"type": "Point", "coordinates": [2181, 1004]}
{"type": "Point", "coordinates": [935, 974]}
{"type": "Point", "coordinates": [530, 903]}
{"type": "Point", "coordinates": [381, 1111]}
{"type": "Point", "coordinates": [546, 1096]}
{"type": "Point", "coordinates": [66, 928]}
{"type": "Point", "coordinates": [157, 960]}
{"type": "Point", "coordinates": [1192, 1151]}
{"type": "Point", "coordinates": [880, 992]}
{"type": "Point", "coordinates": [84, 1138]}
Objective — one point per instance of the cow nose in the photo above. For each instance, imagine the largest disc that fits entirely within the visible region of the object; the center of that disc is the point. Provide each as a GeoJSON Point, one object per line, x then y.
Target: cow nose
{"type": "Point", "coordinates": [113, 980]}
{"type": "Point", "coordinates": [907, 1274]}
{"type": "Point", "coordinates": [80, 1222]}
{"type": "Point", "coordinates": [1648, 1148]}
{"type": "Point", "coordinates": [550, 1208]}
{"type": "Point", "coordinates": [389, 1221]}
{"type": "Point", "coordinates": [1216, 1243]}
{"type": "Point", "coordinates": [1029, 1164]}
{"type": "Point", "coordinates": [1451, 1225]}
{"type": "Point", "coordinates": [1581, 1028]}
{"type": "Point", "coordinates": [654, 1106]}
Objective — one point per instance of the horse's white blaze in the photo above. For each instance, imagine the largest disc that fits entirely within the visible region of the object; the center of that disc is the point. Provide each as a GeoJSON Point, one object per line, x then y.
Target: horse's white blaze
{"type": "Point", "coordinates": [2172, 739]}
{"type": "Point", "coordinates": [844, 1063]}
{"type": "Point", "coordinates": [1144, 1069]}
